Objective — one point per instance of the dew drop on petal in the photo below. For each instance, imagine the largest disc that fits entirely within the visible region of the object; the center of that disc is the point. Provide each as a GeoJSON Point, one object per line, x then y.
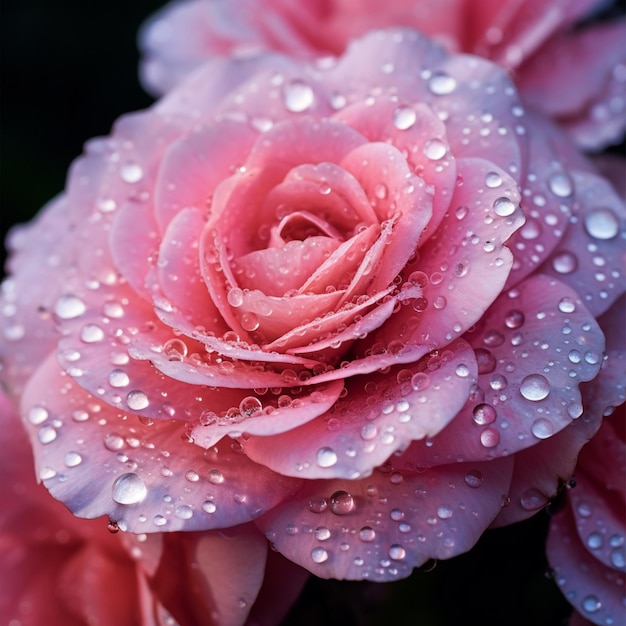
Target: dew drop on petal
{"type": "Point", "coordinates": [535, 387]}
{"type": "Point", "coordinates": [318, 505]}
{"type": "Point", "coordinates": [319, 555]}
{"type": "Point", "coordinates": [118, 378]}
{"type": "Point", "coordinates": [91, 333]}
{"type": "Point", "coordinates": [489, 437]}
{"type": "Point", "coordinates": [532, 499]}
{"type": "Point", "coordinates": [341, 503]}
{"type": "Point", "coordinates": [37, 415]}
{"type": "Point", "coordinates": [322, 533]}
{"type": "Point", "coordinates": [129, 489]}
{"type": "Point", "coordinates": [46, 434]}
{"type": "Point", "coordinates": [601, 224]}
{"type": "Point", "coordinates": [235, 297]}
{"type": "Point", "coordinates": [567, 305]}
{"type": "Point", "coordinates": [137, 400]}
{"type": "Point", "coordinates": [484, 414]}
{"type": "Point", "coordinates": [561, 185]}
{"type": "Point", "coordinates": [565, 263]}
{"type": "Point", "coordinates": [474, 479]}
{"type": "Point", "coordinates": [298, 96]}
{"type": "Point", "coordinates": [326, 457]}
{"type": "Point", "coordinates": [68, 307]}
{"type": "Point", "coordinates": [216, 477]}
{"type": "Point", "coordinates": [404, 117]}
{"type": "Point", "coordinates": [131, 173]}
{"type": "Point", "coordinates": [397, 552]}
{"type": "Point", "coordinates": [493, 180]}
{"type": "Point", "coordinates": [542, 428]}
{"type": "Point", "coordinates": [72, 459]}
{"type": "Point", "coordinates": [367, 534]}
{"type": "Point", "coordinates": [184, 511]}
{"type": "Point", "coordinates": [435, 149]}
{"type": "Point", "coordinates": [441, 84]}
{"type": "Point", "coordinates": [504, 207]}
{"type": "Point", "coordinates": [591, 604]}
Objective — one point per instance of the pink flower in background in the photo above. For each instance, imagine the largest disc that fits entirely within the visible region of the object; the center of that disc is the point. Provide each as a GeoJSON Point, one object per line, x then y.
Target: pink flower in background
{"type": "Point", "coordinates": [306, 299]}
{"type": "Point", "coordinates": [574, 75]}
{"type": "Point", "coordinates": [586, 544]}
{"type": "Point", "coordinates": [62, 571]}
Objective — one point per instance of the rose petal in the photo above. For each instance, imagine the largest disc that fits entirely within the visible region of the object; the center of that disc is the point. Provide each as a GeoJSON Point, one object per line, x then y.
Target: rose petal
{"type": "Point", "coordinates": [524, 395]}
{"type": "Point", "coordinates": [596, 591]}
{"type": "Point", "coordinates": [381, 527]}
{"type": "Point", "coordinates": [88, 454]}
{"type": "Point", "coordinates": [380, 414]}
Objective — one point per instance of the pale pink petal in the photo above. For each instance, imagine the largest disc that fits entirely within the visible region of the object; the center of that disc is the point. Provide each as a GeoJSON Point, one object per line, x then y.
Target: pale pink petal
{"type": "Point", "coordinates": [534, 347]}
{"type": "Point", "coordinates": [416, 132]}
{"type": "Point", "coordinates": [463, 266]}
{"type": "Point", "coordinates": [591, 255]}
{"type": "Point", "coordinates": [268, 415]}
{"type": "Point", "coordinates": [381, 527]}
{"type": "Point", "coordinates": [380, 414]}
{"type": "Point", "coordinates": [595, 590]}
{"type": "Point", "coordinates": [145, 476]}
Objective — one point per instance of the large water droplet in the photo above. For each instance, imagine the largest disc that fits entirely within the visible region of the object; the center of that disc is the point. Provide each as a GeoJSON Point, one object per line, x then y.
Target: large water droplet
{"type": "Point", "coordinates": [404, 117]}
{"type": "Point", "coordinates": [326, 457]}
{"type": "Point", "coordinates": [137, 400]}
{"type": "Point", "coordinates": [441, 84]}
{"type": "Point", "coordinates": [591, 604]}
{"type": "Point", "coordinates": [535, 387]}
{"type": "Point", "coordinates": [68, 307]}
{"type": "Point", "coordinates": [129, 489]}
{"type": "Point", "coordinates": [542, 428]}
{"type": "Point", "coordinates": [397, 552]}
{"type": "Point", "coordinates": [131, 173]}
{"type": "Point", "coordinates": [37, 415]}
{"type": "Point", "coordinates": [435, 149]}
{"type": "Point", "coordinates": [504, 207]}
{"type": "Point", "coordinates": [341, 503]}
{"type": "Point", "coordinates": [532, 499]}
{"type": "Point", "coordinates": [601, 224]}
{"type": "Point", "coordinates": [367, 534]}
{"type": "Point", "coordinates": [561, 185]}
{"type": "Point", "coordinates": [319, 555]}
{"type": "Point", "coordinates": [72, 459]}
{"type": "Point", "coordinates": [118, 378]}
{"type": "Point", "coordinates": [474, 479]}
{"type": "Point", "coordinates": [298, 96]}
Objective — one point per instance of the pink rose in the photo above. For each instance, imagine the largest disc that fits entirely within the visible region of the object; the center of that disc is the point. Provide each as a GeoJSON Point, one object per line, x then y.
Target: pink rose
{"type": "Point", "coordinates": [575, 75]}
{"type": "Point", "coordinates": [306, 298]}
{"type": "Point", "coordinates": [61, 571]}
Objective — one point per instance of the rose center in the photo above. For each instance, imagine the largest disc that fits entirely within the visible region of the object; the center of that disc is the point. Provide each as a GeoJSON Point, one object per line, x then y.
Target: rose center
{"type": "Point", "coordinates": [300, 226]}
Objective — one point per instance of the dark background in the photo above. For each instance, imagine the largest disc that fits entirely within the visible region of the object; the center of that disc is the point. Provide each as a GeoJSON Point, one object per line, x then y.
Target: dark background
{"type": "Point", "coordinates": [68, 70]}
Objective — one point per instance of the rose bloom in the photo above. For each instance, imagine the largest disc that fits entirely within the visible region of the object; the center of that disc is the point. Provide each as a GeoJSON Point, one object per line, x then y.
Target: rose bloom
{"type": "Point", "coordinates": [349, 304]}
{"type": "Point", "coordinates": [574, 74]}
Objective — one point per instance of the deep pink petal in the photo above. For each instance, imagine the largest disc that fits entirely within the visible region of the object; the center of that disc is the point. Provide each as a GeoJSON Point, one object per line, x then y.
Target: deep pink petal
{"type": "Point", "coordinates": [87, 454]}
{"type": "Point", "coordinates": [380, 414]}
{"type": "Point", "coordinates": [381, 527]}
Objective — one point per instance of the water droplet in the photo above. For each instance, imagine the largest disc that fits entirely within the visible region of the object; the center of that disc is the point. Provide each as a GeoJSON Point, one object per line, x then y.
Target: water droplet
{"type": "Point", "coordinates": [493, 180]}
{"type": "Point", "coordinates": [137, 400]}
{"type": "Point", "coordinates": [594, 541]}
{"type": "Point", "coordinates": [484, 414]}
{"type": "Point", "coordinates": [91, 333]}
{"type": "Point", "coordinates": [129, 489]}
{"type": "Point", "coordinates": [514, 319]}
{"type": "Point", "coordinates": [326, 457]}
{"type": "Point", "coordinates": [118, 378]}
{"type": "Point", "coordinates": [319, 555]}
{"type": "Point", "coordinates": [404, 117]}
{"type": "Point", "coordinates": [131, 173]}
{"type": "Point", "coordinates": [542, 428]}
{"type": "Point", "coordinates": [565, 263]}
{"type": "Point", "coordinates": [175, 349]}
{"type": "Point", "coordinates": [367, 534]}
{"type": "Point", "coordinates": [504, 207]}
{"type": "Point", "coordinates": [235, 297]}
{"type": "Point", "coordinates": [46, 434]}
{"type": "Point", "coordinates": [397, 552]}
{"type": "Point", "coordinates": [532, 499]}
{"type": "Point", "coordinates": [462, 370]}
{"type": "Point", "coordinates": [474, 479]}
{"type": "Point", "coordinates": [420, 381]}
{"type": "Point", "coordinates": [489, 437]}
{"type": "Point", "coordinates": [567, 305]}
{"type": "Point", "coordinates": [37, 415]}
{"type": "Point", "coordinates": [591, 604]}
{"type": "Point", "coordinates": [159, 520]}
{"type": "Point", "coordinates": [341, 503]}
{"type": "Point", "coordinates": [184, 511]}
{"type": "Point", "coordinates": [318, 505]}
{"type": "Point", "coordinates": [322, 533]}
{"type": "Point", "coordinates": [249, 322]}
{"type": "Point", "coordinates": [72, 459]}
{"type": "Point", "coordinates": [369, 432]}
{"type": "Point", "coordinates": [601, 224]}
{"type": "Point", "coordinates": [209, 507]}
{"type": "Point", "coordinates": [561, 185]}
{"type": "Point", "coordinates": [435, 149]}
{"type": "Point", "coordinates": [486, 361]}
{"type": "Point", "coordinates": [298, 96]}
{"type": "Point", "coordinates": [444, 512]}
{"type": "Point", "coordinates": [250, 406]}
{"type": "Point", "coordinates": [535, 387]}
{"type": "Point", "coordinates": [441, 84]}
{"type": "Point", "coordinates": [68, 307]}
{"type": "Point", "coordinates": [216, 477]}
